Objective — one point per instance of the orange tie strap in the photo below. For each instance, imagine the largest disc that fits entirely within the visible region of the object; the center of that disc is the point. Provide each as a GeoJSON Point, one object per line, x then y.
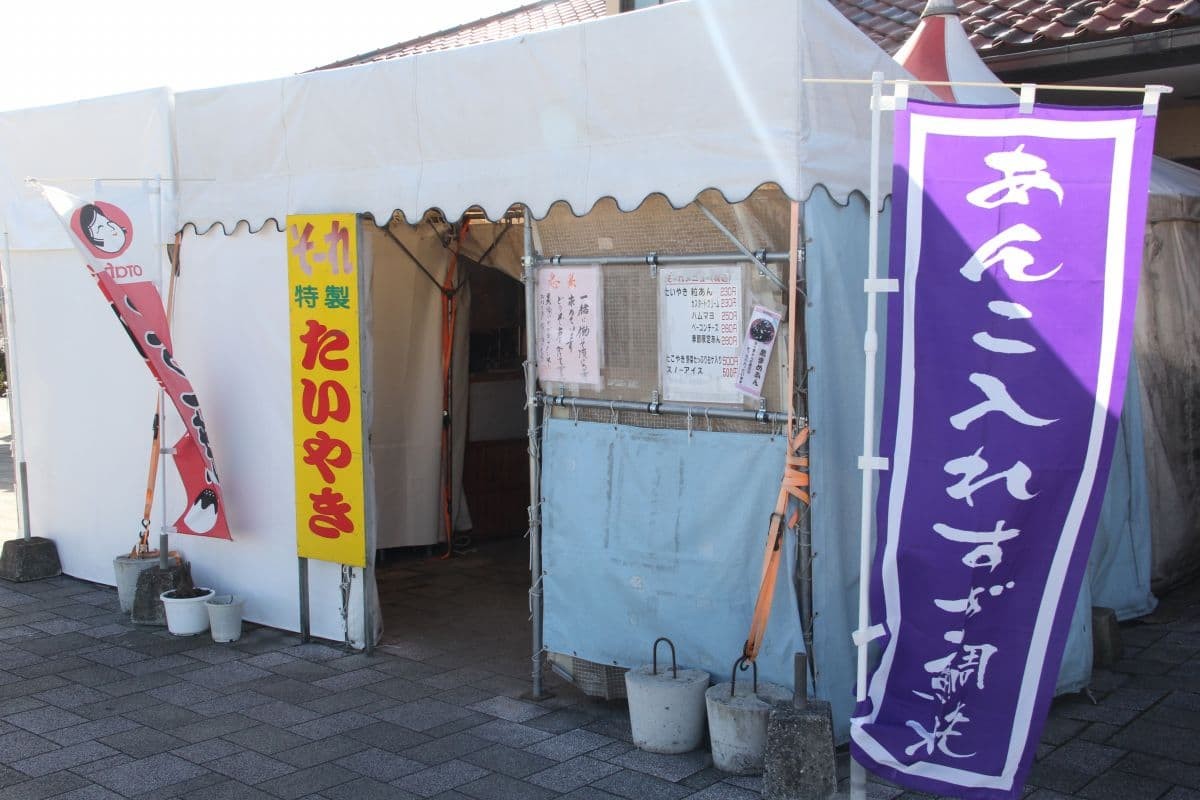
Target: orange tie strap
{"type": "Point", "coordinates": [794, 485]}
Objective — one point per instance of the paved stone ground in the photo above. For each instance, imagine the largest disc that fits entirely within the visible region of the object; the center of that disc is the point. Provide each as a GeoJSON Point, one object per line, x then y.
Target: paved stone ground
{"type": "Point", "coordinates": [95, 708]}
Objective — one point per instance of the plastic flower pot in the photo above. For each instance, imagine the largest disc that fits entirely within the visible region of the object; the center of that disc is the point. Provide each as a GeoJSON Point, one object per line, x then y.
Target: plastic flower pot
{"type": "Point", "coordinates": [225, 617]}
{"type": "Point", "coordinates": [186, 616]}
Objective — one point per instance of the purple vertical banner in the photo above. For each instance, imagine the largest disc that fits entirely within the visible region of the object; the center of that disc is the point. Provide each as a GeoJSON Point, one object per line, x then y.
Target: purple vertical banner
{"type": "Point", "coordinates": [1016, 240]}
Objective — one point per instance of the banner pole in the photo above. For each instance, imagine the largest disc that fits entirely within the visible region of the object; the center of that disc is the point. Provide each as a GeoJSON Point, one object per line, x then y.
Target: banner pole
{"type": "Point", "coordinates": [164, 561]}
{"type": "Point", "coordinates": [17, 450]}
{"type": "Point", "coordinates": [868, 462]}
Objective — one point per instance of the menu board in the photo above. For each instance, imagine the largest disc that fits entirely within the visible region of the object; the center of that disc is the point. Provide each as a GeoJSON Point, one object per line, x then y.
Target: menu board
{"type": "Point", "coordinates": [700, 323]}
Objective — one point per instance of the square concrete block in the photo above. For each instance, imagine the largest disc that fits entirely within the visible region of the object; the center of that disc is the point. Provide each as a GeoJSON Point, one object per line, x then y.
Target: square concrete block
{"type": "Point", "coordinates": [29, 560]}
{"type": "Point", "coordinates": [799, 761]}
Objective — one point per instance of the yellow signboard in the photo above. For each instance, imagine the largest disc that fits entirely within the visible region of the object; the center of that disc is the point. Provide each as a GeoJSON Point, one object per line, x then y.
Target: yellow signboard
{"type": "Point", "coordinates": [323, 286]}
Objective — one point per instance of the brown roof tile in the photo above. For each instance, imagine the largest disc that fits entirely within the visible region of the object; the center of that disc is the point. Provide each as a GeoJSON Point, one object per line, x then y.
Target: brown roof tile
{"type": "Point", "coordinates": [992, 25]}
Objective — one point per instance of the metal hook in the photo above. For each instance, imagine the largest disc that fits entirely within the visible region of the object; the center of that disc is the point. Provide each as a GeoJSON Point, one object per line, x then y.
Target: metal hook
{"type": "Point", "coordinates": [743, 663]}
{"type": "Point", "coordinates": [654, 660]}
{"type": "Point", "coordinates": [575, 413]}
{"type": "Point", "coordinates": [612, 406]}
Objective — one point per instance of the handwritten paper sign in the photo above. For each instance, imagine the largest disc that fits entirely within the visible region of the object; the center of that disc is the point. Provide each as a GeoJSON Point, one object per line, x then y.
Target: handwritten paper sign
{"type": "Point", "coordinates": [756, 351]}
{"type": "Point", "coordinates": [326, 387]}
{"type": "Point", "coordinates": [568, 325]}
{"type": "Point", "coordinates": [700, 318]}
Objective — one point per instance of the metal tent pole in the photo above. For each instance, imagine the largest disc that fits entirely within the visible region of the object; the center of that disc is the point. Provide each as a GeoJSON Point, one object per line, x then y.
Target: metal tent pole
{"type": "Point", "coordinates": [535, 489]}
{"type": "Point", "coordinates": [760, 257]}
{"type": "Point", "coordinates": [17, 451]}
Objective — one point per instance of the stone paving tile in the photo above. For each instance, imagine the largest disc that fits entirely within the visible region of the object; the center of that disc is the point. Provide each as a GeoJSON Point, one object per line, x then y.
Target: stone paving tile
{"type": "Point", "coordinates": [114, 656]}
{"type": "Point", "coordinates": [1175, 716]}
{"type": "Point", "coordinates": [331, 725]}
{"type": "Point", "coordinates": [41, 720]}
{"type": "Point", "coordinates": [588, 793]}
{"type": "Point", "coordinates": [62, 759]}
{"type": "Point", "coordinates": [170, 663]}
{"type": "Point", "coordinates": [472, 720]}
{"type": "Point", "coordinates": [17, 705]}
{"type": "Point", "coordinates": [52, 785]}
{"type": "Point", "coordinates": [104, 631]}
{"type": "Point", "coordinates": [406, 689]}
{"type": "Point", "coordinates": [1160, 740]}
{"type": "Point", "coordinates": [266, 739]}
{"type": "Point", "coordinates": [70, 696]}
{"type": "Point", "coordinates": [307, 781]}
{"type": "Point", "coordinates": [568, 745]}
{"type": "Point", "coordinates": [225, 704]}
{"type": "Point", "coordinates": [380, 765]}
{"type": "Point", "coordinates": [724, 791]}
{"type": "Point", "coordinates": [212, 727]}
{"type": "Point", "coordinates": [90, 731]}
{"type": "Point", "coordinates": [139, 684]}
{"type": "Point", "coordinates": [249, 767]}
{"type": "Point", "coordinates": [639, 786]}
{"type": "Point", "coordinates": [344, 701]}
{"type": "Point", "coordinates": [92, 792]}
{"type": "Point", "coordinates": [203, 752]}
{"type": "Point", "coordinates": [229, 790]}
{"type": "Point", "coordinates": [122, 704]}
{"type": "Point", "coordinates": [672, 768]}
{"type": "Point", "coordinates": [365, 789]}
{"type": "Point", "coordinates": [562, 720]}
{"type": "Point", "coordinates": [437, 779]}
{"type": "Point", "coordinates": [573, 774]}
{"type": "Point", "coordinates": [447, 748]}
{"type": "Point", "coordinates": [214, 654]}
{"type": "Point", "coordinates": [1161, 768]}
{"type": "Point", "coordinates": [320, 751]}
{"type": "Point", "coordinates": [148, 774]}
{"type": "Point", "coordinates": [351, 680]}
{"type": "Point", "coordinates": [1116, 785]}
{"type": "Point", "coordinates": [183, 694]}
{"type": "Point", "coordinates": [388, 736]}
{"type": "Point", "coordinates": [307, 671]}
{"type": "Point", "coordinates": [220, 676]}
{"type": "Point", "coordinates": [314, 651]}
{"type": "Point", "coordinates": [512, 734]}
{"type": "Point", "coordinates": [1179, 793]}
{"type": "Point", "coordinates": [163, 716]}
{"type": "Point", "coordinates": [422, 715]}
{"type": "Point", "coordinates": [141, 742]}
{"type": "Point", "coordinates": [57, 626]}
{"type": "Point", "coordinates": [30, 687]}
{"type": "Point", "coordinates": [502, 787]}
{"type": "Point", "coordinates": [120, 759]}
{"type": "Point", "coordinates": [286, 690]}
{"type": "Point", "coordinates": [508, 761]}
{"type": "Point", "coordinates": [279, 713]}
{"type": "Point", "coordinates": [509, 709]}
{"type": "Point", "coordinates": [268, 660]}
{"type": "Point", "coordinates": [94, 675]}
{"type": "Point", "coordinates": [51, 666]}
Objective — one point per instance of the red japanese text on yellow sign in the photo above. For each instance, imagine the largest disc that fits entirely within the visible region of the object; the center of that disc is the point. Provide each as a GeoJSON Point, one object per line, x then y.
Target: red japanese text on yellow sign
{"type": "Point", "coordinates": [326, 383]}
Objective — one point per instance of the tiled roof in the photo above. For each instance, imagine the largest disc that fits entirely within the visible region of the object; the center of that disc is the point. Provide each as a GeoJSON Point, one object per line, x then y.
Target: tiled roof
{"type": "Point", "coordinates": [996, 26]}
{"type": "Point", "coordinates": [889, 23]}
{"type": "Point", "coordinates": [525, 19]}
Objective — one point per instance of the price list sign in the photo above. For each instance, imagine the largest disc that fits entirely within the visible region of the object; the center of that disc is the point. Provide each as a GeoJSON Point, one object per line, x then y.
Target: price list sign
{"type": "Point", "coordinates": [700, 323]}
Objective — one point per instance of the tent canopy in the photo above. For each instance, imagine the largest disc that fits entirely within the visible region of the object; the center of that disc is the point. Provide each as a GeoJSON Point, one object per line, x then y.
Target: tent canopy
{"type": "Point", "coordinates": [672, 100]}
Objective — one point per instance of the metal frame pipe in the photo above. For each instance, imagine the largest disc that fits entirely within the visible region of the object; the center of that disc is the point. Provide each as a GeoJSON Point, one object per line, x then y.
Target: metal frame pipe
{"type": "Point", "coordinates": [663, 409]}
{"type": "Point", "coordinates": [535, 489]}
{"type": "Point", "coordinates": [16, 426]}
{"type": "Point", "coordinates": [661, 260]}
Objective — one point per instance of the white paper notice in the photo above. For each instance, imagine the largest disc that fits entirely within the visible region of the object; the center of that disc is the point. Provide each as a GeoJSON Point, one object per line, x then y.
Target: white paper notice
{"type": "Point", "coordinates": [700, 319]}
{"type": "Point", "coordinates": [568, 325]}
{"type": "Point", "coordinates": [756, 351]}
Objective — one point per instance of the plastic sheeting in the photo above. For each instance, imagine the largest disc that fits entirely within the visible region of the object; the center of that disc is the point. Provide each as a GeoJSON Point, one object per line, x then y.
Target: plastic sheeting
{"type": "Point", "coordinates": [650, 533]}
{"type": "Point", "coordinates": [671, 100]}
{"type": "Point", "coordinates": [836, 263]}
{"type": "Point", "coordinates": [1167, 343]}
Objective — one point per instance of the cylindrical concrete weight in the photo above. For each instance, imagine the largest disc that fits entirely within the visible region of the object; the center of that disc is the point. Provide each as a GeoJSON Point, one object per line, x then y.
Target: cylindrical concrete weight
{"type": "Point", "coordinates": [737, 726]}
{"type": "Point", "coordinates": [127, 569]}
{"type": "Point", "coordinates": [666, 713]}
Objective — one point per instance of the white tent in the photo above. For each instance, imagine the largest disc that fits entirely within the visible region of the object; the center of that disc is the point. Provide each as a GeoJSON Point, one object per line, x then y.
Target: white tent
{"type": "Point", "coordinates": [671, 101]}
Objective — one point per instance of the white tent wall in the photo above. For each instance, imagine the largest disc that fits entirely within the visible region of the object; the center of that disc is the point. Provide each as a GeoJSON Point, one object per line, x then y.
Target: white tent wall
{"type": "Point", "coordinates": [406, 435]}
{"type": "Point", "coordinates": [245, 361]}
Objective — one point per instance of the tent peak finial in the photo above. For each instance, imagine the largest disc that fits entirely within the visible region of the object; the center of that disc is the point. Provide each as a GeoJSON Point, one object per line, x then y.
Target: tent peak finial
{"type": "Point", "coordinates": [939, 7]}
